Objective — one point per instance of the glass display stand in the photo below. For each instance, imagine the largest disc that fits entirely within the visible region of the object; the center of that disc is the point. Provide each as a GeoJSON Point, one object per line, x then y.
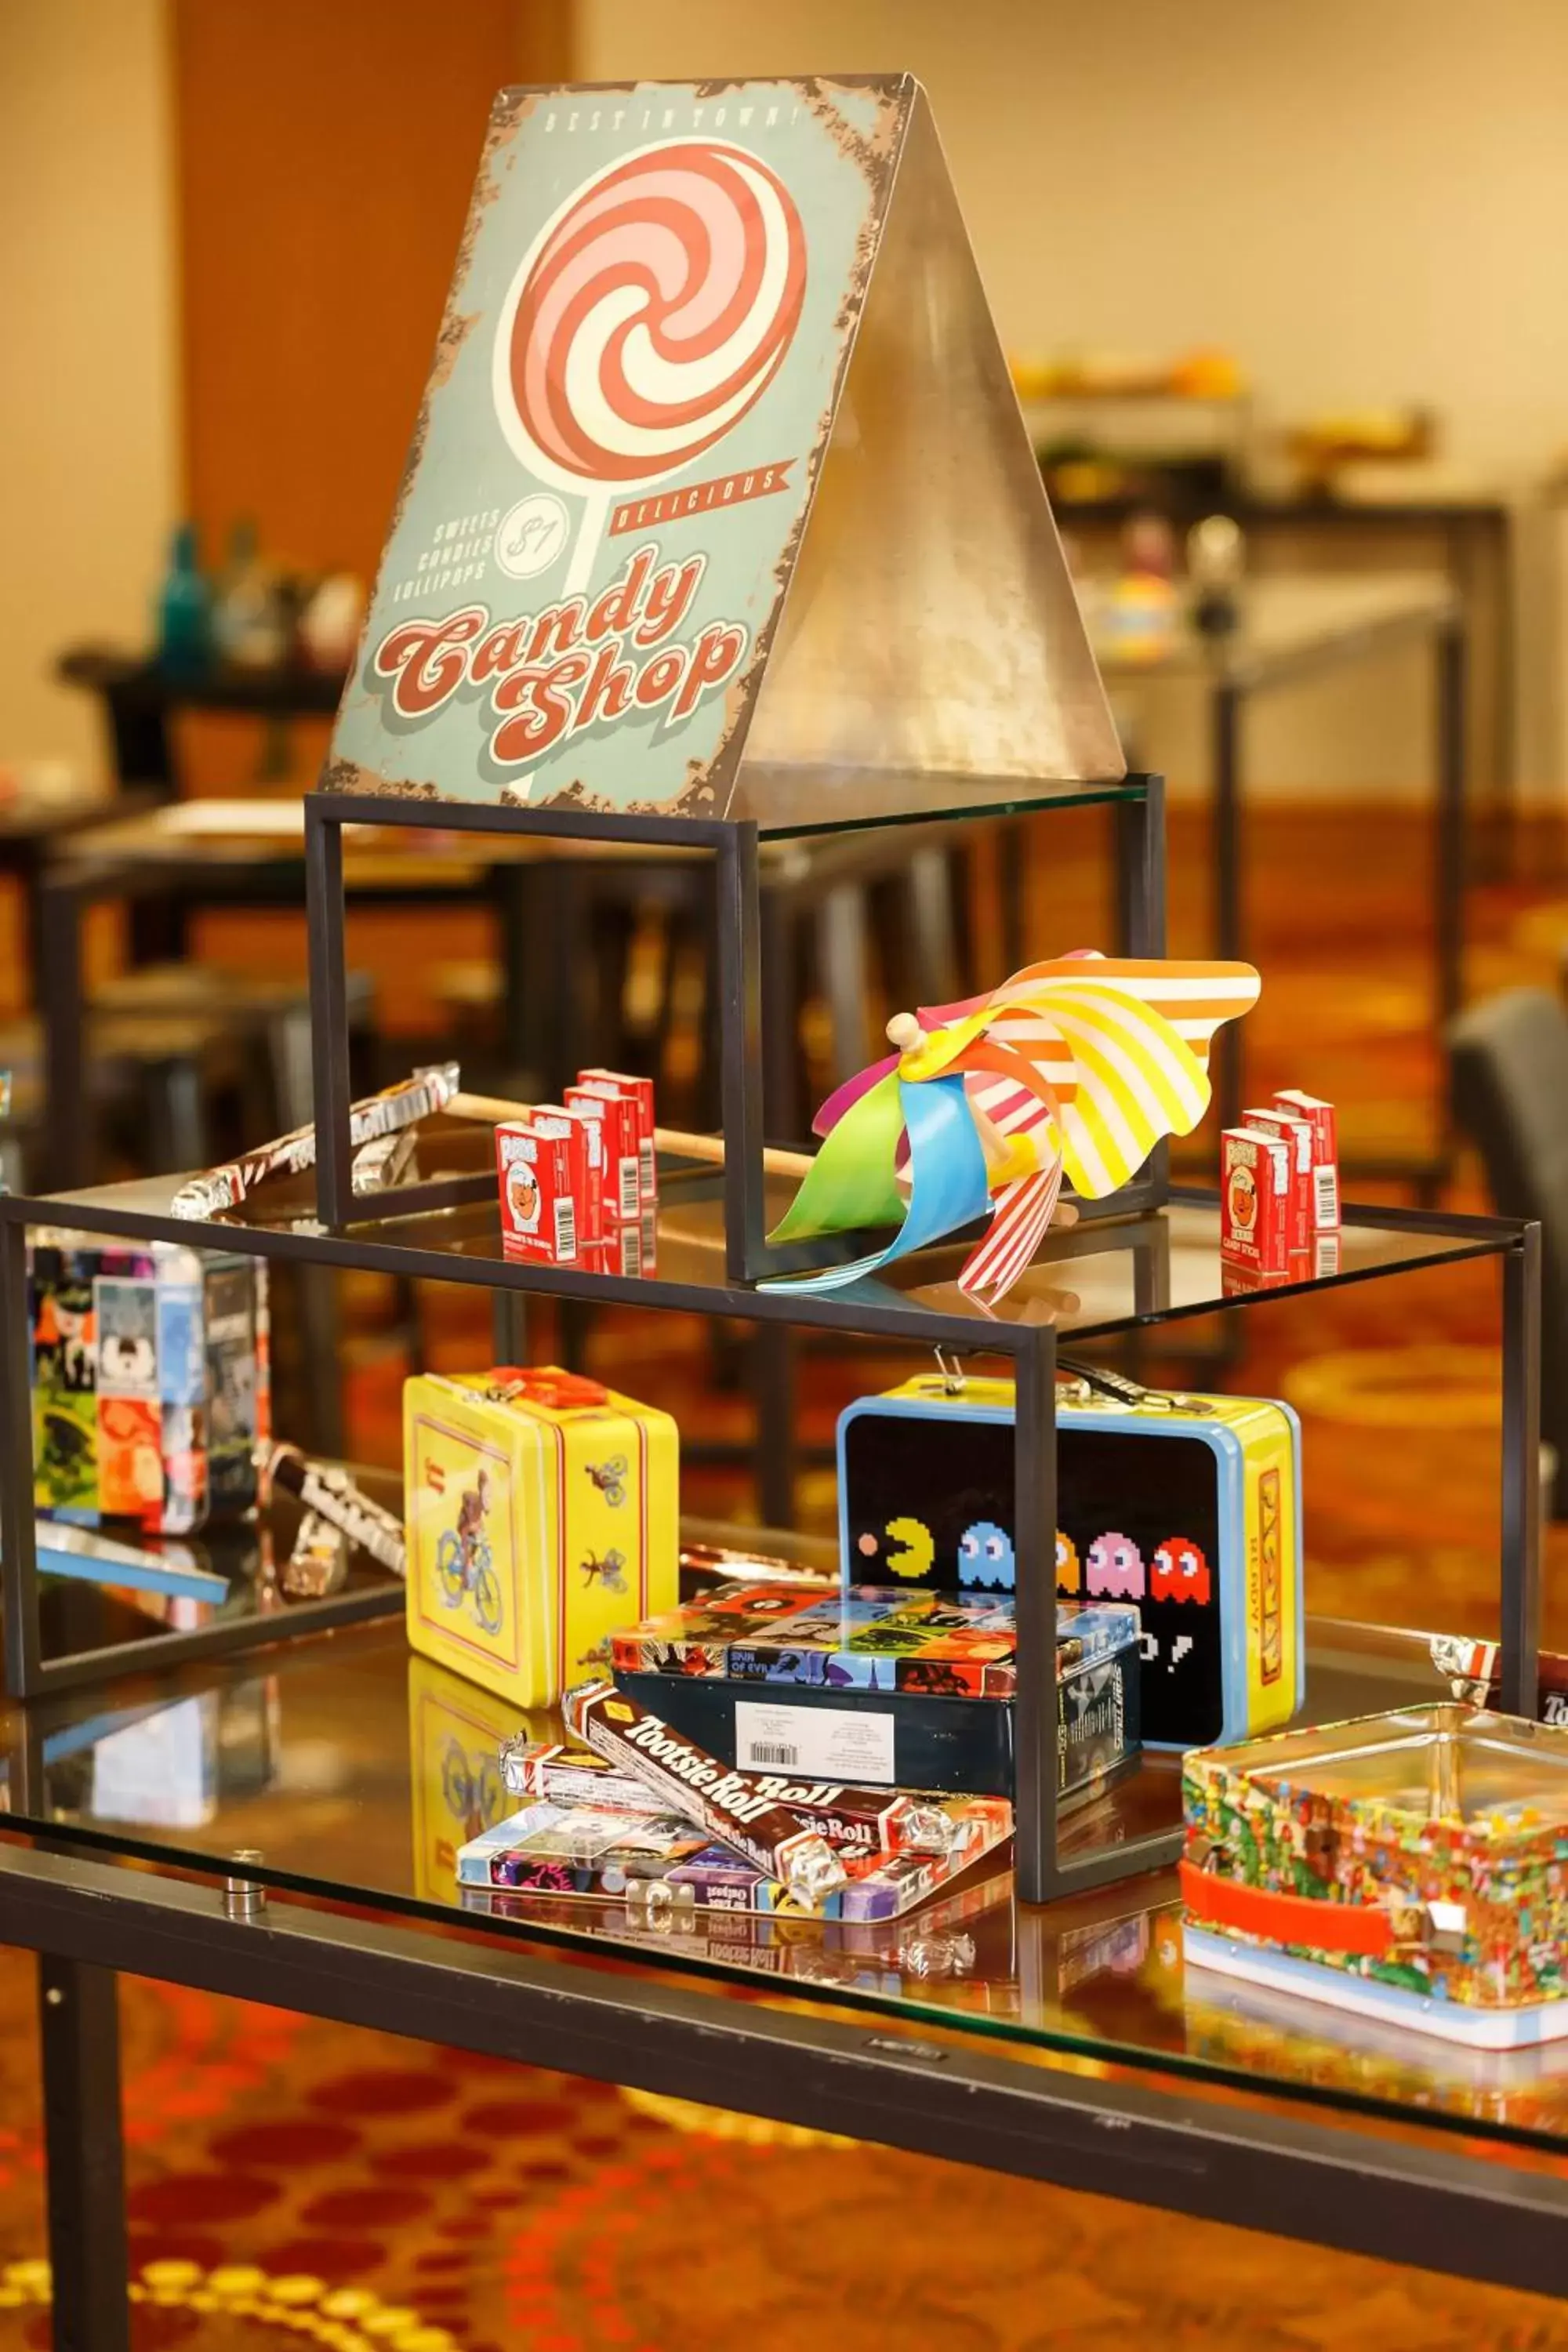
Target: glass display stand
{"type": "Point", "coordinates": [1142, 1257]}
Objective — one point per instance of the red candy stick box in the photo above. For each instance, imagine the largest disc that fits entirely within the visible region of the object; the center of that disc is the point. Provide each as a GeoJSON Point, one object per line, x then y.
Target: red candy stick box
{"type": "Point", "coordinates": [617, 1116]}
{"type": "Point", "coordinates": [543, 1166]}
{"type": "Point", "coordinates": [1299, 1134]}
{"type": "Point", "coordinates": [1255, 1187]}
{"type": "Point", "coordinates": [1321, 1117]}
{"type": "Point", "coordinates": [640, 1092]}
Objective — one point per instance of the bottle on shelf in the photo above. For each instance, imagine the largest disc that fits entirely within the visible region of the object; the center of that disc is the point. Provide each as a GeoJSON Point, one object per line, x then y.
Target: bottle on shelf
{"type": "Point", "coordinates": [250, 627]}
{"type": "Point", "coordinates": [184, 607]}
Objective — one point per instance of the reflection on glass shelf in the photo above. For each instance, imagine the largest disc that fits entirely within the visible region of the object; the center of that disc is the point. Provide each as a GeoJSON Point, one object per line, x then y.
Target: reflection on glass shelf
{"type": "Point", "coordinates": [358, 1772]}
{"type": "Point", "coordinates": [76, 1616]}
{"type": "Point", "coordinates": [1100, 1276]}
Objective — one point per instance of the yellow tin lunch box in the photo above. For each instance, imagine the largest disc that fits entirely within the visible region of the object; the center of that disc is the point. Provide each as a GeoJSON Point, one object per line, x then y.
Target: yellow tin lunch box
{"type": "Point", "coordinates": [541, 1515]}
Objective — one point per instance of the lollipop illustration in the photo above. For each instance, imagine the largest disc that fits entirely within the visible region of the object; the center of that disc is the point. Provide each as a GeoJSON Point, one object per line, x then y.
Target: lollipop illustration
{"type": "Point", "coordinates": [653, 310]}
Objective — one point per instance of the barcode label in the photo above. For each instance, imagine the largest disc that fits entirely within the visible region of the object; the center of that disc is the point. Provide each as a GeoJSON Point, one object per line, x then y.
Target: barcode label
{"type": "Point", "coordinates": [645, 1164]}
{"type": "Point", "coordinates": [565, 1229]}
{"type": "Point", "coordinates": [631, 1251]}
{"type": "Point", "coordinates": [630, 1195]}
{"type": "Point", "coordinates": [1326, 1193]}
{"type": "Point", "coordinates": [831, 1743]}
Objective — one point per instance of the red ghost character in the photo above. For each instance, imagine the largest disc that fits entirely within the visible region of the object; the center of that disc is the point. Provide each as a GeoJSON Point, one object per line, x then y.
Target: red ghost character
{"type": "Point", "coordinates": [1180, 1572]}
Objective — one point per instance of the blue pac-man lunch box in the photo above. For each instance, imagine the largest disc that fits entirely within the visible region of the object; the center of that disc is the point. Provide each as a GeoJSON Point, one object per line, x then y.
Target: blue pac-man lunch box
{"type": "Point", "coordinates": [1188, 1505]}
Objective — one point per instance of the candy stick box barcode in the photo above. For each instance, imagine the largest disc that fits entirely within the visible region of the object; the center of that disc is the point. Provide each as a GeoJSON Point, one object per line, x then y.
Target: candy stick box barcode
{"type": "Point", "coordinates": [540, 1515]}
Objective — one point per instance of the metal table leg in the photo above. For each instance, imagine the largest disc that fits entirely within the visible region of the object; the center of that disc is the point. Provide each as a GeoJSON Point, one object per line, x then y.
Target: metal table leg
{"type": "Point", "coordinates": [783, 1117]}
{"type": "Point", "coordinates": [525, 903]}
{"type": "Point", "coordinates": [843, 964]}
{"type": "Point", "coordinates": [774, 1392]}
{"type": "Point", "coordinates": [1448, 912]}
{"type": "Point", "coordinates": [1520, 1665]}
{"type": "Point", "coordinates": [79, 2032]}
{"type": "Point", "coordinates": [1227, 917]}
{"type": "Point", "coordinates": [61, 1010]}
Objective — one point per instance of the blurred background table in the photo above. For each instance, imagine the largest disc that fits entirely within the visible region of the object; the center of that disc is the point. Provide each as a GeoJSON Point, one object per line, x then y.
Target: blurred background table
{"type": "Point", "coordinates": [1287, 629]}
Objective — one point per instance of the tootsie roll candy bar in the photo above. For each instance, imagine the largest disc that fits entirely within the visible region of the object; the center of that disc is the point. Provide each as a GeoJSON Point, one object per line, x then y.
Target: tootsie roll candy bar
{"type": "Point", "coordinates": [727, 1802]}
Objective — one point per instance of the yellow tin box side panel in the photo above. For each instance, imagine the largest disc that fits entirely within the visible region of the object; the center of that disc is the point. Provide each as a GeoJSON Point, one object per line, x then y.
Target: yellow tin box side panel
{"type": "Point", "coordinates": [1274, 1631]}
{"type": "Point", "coordinates": [618, 1468]}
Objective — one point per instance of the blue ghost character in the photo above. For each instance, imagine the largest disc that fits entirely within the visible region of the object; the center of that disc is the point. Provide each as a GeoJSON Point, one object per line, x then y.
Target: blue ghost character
{"type": "Point", "coordinates": [985, 1556]}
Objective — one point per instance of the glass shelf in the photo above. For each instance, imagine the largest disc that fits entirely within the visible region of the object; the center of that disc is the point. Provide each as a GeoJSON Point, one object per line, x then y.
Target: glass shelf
{"type": "Point", "coordinates": [1110, 1274]}
{"type": "Point", "coordinates": [82, 1623]}
{"type": "Point", "coordinates": [818, 803]}
{"type": "Point", "coordinates": [356, 1770]}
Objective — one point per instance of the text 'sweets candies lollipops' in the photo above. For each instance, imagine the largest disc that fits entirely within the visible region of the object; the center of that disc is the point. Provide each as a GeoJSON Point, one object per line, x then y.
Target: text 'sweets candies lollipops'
{"type": "Point", "coordinates": [653, 313]}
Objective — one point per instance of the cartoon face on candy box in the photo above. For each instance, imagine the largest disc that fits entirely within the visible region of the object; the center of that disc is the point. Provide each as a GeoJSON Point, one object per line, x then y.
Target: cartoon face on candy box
{"type": "Point", "coordinates": [1179, 1573]}
{"type": "Point", "coordinates": [523, 1197]}
{"type": "Point", "coordinates": [1116, 1567]}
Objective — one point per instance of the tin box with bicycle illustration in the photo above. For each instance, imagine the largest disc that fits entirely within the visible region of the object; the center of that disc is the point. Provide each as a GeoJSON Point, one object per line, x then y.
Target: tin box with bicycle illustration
{"type": "Point", "coordinates": [541, 1515]}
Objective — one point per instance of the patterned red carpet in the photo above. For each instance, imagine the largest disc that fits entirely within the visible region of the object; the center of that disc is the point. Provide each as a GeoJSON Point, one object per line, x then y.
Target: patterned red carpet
{"type": "Point", "coordinates": [292, 2179]}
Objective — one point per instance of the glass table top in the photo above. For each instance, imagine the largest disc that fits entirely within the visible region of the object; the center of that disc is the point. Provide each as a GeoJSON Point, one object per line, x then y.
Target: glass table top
{"type": "Point", "coordinates": [357, 1770]}
{"type": "Point", "coordinates": [212, 835]}
{"type": "Point", "coordinates": [1104, 1276]}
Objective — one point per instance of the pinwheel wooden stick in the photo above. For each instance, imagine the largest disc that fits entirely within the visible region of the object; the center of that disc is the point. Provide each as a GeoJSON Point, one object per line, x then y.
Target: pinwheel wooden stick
{"type": "Point", "coordinates": [673, 1142]}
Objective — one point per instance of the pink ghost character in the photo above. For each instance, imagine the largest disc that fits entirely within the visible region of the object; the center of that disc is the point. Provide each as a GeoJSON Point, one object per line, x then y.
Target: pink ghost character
{"type": "Point", "coordinates": [1116, 1567]}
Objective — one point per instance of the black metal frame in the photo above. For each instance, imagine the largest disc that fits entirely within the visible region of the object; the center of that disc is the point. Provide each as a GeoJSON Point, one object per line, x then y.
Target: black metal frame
{"type": "Point", "coordinates": [1442, 2201]}
{"type": "Point", "coordinates": [1031, 1348]}
{"type": "Point", "coordinates": [1141, 901]}
{"type": "Point", "coordinates": [1043, 1876]}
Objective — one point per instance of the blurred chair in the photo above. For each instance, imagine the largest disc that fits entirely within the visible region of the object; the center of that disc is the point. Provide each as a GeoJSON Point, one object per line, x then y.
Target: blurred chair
{"type": "Point", "coordinates": [266, 1020]}
{"type": "Point", "coordinates": [1508, 1072]}
{"type": "Point", "coordinates": [184, 1064]}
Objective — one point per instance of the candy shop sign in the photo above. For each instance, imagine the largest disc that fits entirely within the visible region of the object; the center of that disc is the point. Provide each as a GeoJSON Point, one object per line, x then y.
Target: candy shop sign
{"type": "Point", "coordinates": [575, 665]}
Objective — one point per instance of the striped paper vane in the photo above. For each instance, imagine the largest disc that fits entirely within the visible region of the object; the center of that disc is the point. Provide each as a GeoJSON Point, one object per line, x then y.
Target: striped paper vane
{"type": "Point", "coordinates": [1076, 1067]}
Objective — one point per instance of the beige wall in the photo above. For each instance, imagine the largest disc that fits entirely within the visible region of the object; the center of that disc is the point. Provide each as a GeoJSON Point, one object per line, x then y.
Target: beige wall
{"type": "Point", "coordinates": [1365, 199]}
{"type": "Point", "coordinates": [89, 446]}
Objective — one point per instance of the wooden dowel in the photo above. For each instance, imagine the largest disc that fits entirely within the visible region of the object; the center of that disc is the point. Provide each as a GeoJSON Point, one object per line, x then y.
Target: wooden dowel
{"type": "Point", "coordinates": [708, 1149]}
{"type": "Point", "coordinates": [491, 1111]}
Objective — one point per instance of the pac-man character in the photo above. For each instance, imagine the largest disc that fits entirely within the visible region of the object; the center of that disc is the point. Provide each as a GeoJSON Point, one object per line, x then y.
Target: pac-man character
{"type": "Point", "coordinates": [1069, 1569]}
{"type": "Point", "coordinates": [1179, 1571]}
{"type": "Point", "coordinates": [1116, 1566]}
{"type": "Point", "coordinates": [916, 1555]}
{"type": "Point", "coordinates": [985, 1556]}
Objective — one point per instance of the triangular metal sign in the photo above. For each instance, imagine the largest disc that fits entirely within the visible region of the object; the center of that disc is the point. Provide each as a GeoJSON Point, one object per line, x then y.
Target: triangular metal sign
{"type": "Point", "coordinates": [720, 502]}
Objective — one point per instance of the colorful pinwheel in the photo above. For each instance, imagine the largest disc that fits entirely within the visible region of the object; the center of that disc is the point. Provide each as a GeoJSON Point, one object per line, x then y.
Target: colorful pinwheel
{"type": "Point", "coordinates": [1076, 1067]}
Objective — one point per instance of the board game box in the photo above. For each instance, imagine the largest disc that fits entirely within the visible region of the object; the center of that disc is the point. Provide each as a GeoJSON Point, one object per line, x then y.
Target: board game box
{"type": "Point", "coordinates": [884, 1689]}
